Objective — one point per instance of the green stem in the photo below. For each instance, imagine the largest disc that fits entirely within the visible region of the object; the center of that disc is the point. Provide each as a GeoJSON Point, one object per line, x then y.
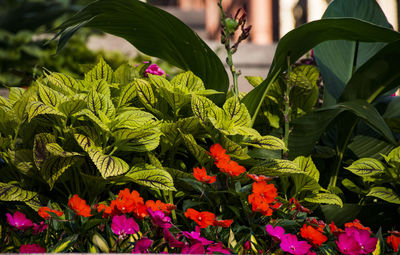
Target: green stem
{"type": "Point", "coordinates": [171, 201]}
{"type": "Point", "coordinates": [333, 179]}
{"type": "Point", "coordinates": [287, 111]}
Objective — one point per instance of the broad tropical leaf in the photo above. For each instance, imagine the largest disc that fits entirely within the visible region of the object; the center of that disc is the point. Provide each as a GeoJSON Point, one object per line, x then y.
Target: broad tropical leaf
{"type": "Point", "coordinates": [366, 167]}
{"type": "Point", "coordinates": [254, 80]}
{"type": "Point", "coordinates": [385, 194]}
{"type": "Point", "coordinates": [325, 198]}
{"type": "Point", "coordinates": [144, 25]}
{"type": "Point", "coordinates": [305, 92]}
{"type": "Point", "coordinates": [151, 176]}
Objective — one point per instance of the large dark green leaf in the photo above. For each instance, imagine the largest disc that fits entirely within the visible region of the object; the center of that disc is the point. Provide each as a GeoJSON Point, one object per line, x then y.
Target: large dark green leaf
{"type": "Point", "coordinates": [156, 33]}
{"type": "Point", "coordinates": [300, 40]}
{"type": "Point", "coordinates": [337, 60]}
{"type": "Point", "coordinates": [377, 76]}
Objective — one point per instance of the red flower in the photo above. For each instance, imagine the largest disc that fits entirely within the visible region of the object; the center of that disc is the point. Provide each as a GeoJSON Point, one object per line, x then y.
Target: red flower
{"type": "Point", "coordinates": [357, 224]}
{"type": "Point", "coordinates": [79, 206]}
{"type": "Point", "coordinates": [298, 206]}
{"type": "Point", "coordinates": [265, 190]}
{"type": "Point", "coordinates": [218, 153]}
{"type": "Point", "coordinates": [259, 178]}
{"type": "Point", "coordinates": [259, 204]}
{"type": "Point", "coordinates": [160, 206]}
{"type": "Point", "coordinates": [201, 175]}
{"type": "Point", "coordinates": [222, 223]}
{"type": "Point", "coordinates": [44, 212]}
{"type": "Point", "coordinates": [313, 235]}
{"type": "Point", "coordinates": [131, 202]}
{"type": "Point", "coordinates": [232, 168]}
{"type": "Point", "coordinates": [204, 219]}
{"type": "Point", "coordinates": [335, 230]}
{"type": "Point", "coordinates": [394, 242]}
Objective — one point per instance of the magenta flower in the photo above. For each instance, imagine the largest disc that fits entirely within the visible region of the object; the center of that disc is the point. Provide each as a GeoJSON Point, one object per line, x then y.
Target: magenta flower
{"type": "Point", "coordinates": [366, 243]}
{"type": "Point", "coordinates": [219, 248]}
{"type": "Point", "coordinates": [121, 225]}
{"type": "Point", "coordinates": [348, 245]}
{"type": "Point", "coordinates": [39, 228]}
{"type": "Point", "coordinates": [196, 248]}
{"type": "Point", "coordinates": [195, 237]}
{"type": "Point", "coordinates": [276, 233]}
{"type": "Point", "coordinates": [19, 221]}
{"type": "Point", "coordinates": [142, 245]}
{"type": "Point", "coordinates": [31, 248]}
{"type": "Point", "coordinates": [154, 69]}
{"type": "Point", "coordinates": [290, 244]}
{"type": "Point", "coordinates": [172, 241]}
{"type": "Point", "coordinates": [158, 218]}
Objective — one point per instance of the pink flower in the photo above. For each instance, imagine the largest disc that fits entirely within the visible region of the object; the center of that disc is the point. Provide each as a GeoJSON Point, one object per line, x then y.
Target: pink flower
{"type": "Point", "coordinates": [154, 69]}
{"type": "Point", "coordinates": [276, 233]}
{"type": "Point", "coordinates": [19, 221]}
{"type": "Point", "coordinates": [31, 248]}
{"type": "Point", "coordinates": [195, 237]}
{"type": "Point", "coordinates": [39, 228]}
{"type": "Point", "coordinates": [362, 237]}
{"type": "Point", "coordinates": [172, 241]}
{"type": "Point", "coordinates": [219, 248]}
{"type": "Point", "coordinates": [121, 225]}
{"type": "Point", "coordinates": [196, 248]}
{"type": "Point", "coordinates": [290, 244]}
{"type": "Point", "coordinates": [158, 218]}
{"type": "Point", "coordinates": [142, 245]}
{"type": "Point", "coordinates": [348, 245]}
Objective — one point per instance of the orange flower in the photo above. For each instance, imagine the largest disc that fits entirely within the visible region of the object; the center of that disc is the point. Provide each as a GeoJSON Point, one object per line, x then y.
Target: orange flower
{"type": "Point", "coordinates": [79, 206]}
{"type": "Point", "coordinates": [201, 175]}
{"type": "Point", "coordinates": [259, 204]}
{"type": "Point", "coordinates": [394, 242]}
{"type": "Point", "coordinates": [335, 230]}
{"type": "Point", "coordinates": [43, 212]}
{"type": "Point", "coordinates": [222, 223]}
{"type": "Point", "coordinates": [266, 191]}
{"type": "Point", "coordinates": [218, 153]}
{"type": "Point", "coordinates": [204, 219]}
{"type": "Point", "coordinates": [313, 235]}
{"type": "Point", "coordinates": [131, 202]}
{"type": "Point", "coordinates": [356, 224]}
{"type": "Point", "coordinates": [298, 206]}
{"type": "Point", "coordinates": [259, 178]}
{"type": "Point", "coordinates": [160, 206]}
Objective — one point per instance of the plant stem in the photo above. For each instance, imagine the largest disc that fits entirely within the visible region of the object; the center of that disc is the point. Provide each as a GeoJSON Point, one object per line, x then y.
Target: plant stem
{"type": "Point", "coordinates": [287, 111]}
{"type": "Point", "coordinates": [171, 200]}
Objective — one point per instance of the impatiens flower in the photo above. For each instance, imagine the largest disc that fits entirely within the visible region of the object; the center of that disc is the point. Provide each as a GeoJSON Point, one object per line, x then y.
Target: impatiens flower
{"type": "Point", "coordinates": [79, 206]}
{"type": "Point", "coordinates": [172, 241]}
{"type": "Point", "coordinates": [160, 206]}
{"type": "Point", "coordinates": [19, 221]}
{"type": "Point", "coordinates": [131, 202]}
{"type": "Point", "coordinates": [218, 248]}
{"type": "Point", "coordinates": [365, 241]}
{"type": "Point", "coordinates": [298, 206]}
{"type": "Point", "coordinates": [122, 225]}
{"type": "Point", "coordinates": [195, 237]}
{"type": "Point", "coordinates": [39, 228]}
{"type": "Point", "coordinates": [335, 230]}
{"type": "Point", "coordinates": [159, 219]}
{"type": "Point", "coordinates": [204, 219]}
{"type": "Point", "coordinates": [31, 248]}
{"type": "Point", "coordinates": [142, 245]}
{"type": "Point", "coordinates": [276, 233]}
{"type": "Point", "coordinates": [219, 154]}
{"type": "Point", "coordinates": [232, 168]}
{"type": "Point", "coordinates": [348, 245]}
{"type": "Point", "coordinates": [267, 191]}
{"type": "Point", "coordinates": [154, 69]}
{"type": "Point", "coordinates": [394, 242]}
{"type": "Point", "coordinates": [196, 248]}
{"type": "Point", "coordinates": [290, 244]}
{"type": "Point", "coordinates": [259, 178]}
{"type": "Point", "coordinates": [44, 212]}
{"type": "Point", "coordinates": [222, 223]}
{"type": "Point", "coordinates": [313, 235]}
{"type": "Point", "coordinates": [357, 224]}
{"type": "Point", "coordinates": [201, 175]}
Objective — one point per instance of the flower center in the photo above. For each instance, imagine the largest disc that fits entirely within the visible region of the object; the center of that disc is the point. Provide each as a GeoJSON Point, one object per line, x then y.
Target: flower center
{"type": "Point", "coordinates": [200, 218]}
{"type": "Point", "coordinates": [293, 248]}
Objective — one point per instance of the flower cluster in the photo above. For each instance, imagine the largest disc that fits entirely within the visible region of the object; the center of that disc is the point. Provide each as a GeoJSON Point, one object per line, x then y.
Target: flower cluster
{"type": "Point", "coordinates": [263, 197]}
{"type": "Point", "coordinates": [223, 161]}
{"type": "Point", "coordinates": [205, 219]}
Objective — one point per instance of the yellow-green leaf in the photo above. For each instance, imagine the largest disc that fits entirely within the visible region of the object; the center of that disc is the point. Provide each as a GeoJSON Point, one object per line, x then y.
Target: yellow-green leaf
{"type": "Point", "coordinates": [233, 148]}
{"type": "Point", "coordinates": [308, 180]}
{"type": "Point", "coordinates": [101, 87]}
{"type": "Point", "coordinates": [254, 80]}
{"type": "Point", "coordinates": [38, 108]}
{"type": "Point", "coordinates": [268, 142]}
{"type": "Point", "coordinates": [71, 107]}
{"type": "Point", "coordinates": [237, 112]}
{"type": "Point", "coordinates": [49, 96]}
{"type": "Point", "coordinates": [204, 108]}
{"type": "Point", "coordinates": [145, 92]}
{"type": "Point", "coordinates": [63, 83]}
{"type": "Point", "coordinates": [188, 81]}
{"type": "Point", "coordinates": [135, 119]}
{"type": "Point", "coordinates": [386, 194]}
{"type": "Point", "coordinates": [85, 142]}
{"type": "Point", "coordinates": [151, 176]}
{"type": "Point", "coordinates": [196, 150]}
{"type": "Point", "coordinates": [101, 71]}
{"type": "Point", "coordinates": [100, 103]}
{"type": "Point", "coordinates": [325, 198]}
{"type": "Point", "coordinates": [159, 81]}
{"type": "Point", "coordinates": [127, 93]}
{"type": "Point", "coordinates": [10, 192]}
{"type": "Point", "coordinates": [94, 118]}
{"type": "Point", "coordinates": [106, 164]}
{"type": "Point", "coordinates": [56, 150]}
{"type": "Point", "coordinates": [40, 152]}
{"type": "Point", "coordinates": [186, 125]}
{"type": "Point", "coordinates": [54, 166]}
{"type": "Point", "coordinates": [366, 167]}
{"type": "Point", "coordinates": [142, 143]}
{"type": "Point", "coordinates": [278, 167]}
{"type": "Point", "coordinates": [15, 94]}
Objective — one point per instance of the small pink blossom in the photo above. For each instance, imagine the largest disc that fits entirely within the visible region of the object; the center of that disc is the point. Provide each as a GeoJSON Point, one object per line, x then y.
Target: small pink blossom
{"type": "Point", "coordinates": [19, 221]}
{"type": "Point", "coordinates": [290, 244]}
{"type": "Point", "coordinates": [142, 245]}
{"type": "Point", "coordinates": [39, 228]}
{"type": "Point", "coordinates": [159, 219]}
{"type": "Point", "coordinates": [218, 248]}
{"type": "Point", "coordinates": [195, 237]}
{"type": "Point", "coordinates": [154, 69]}
{"type": "Point", "coordinates": [196, 248]}
{"type": "Point", "coordinates": [31, 248]}
{"type": "Point", "coordinates": [121, 225]}
{"type": "Point", "coordinates": [276, 233]}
